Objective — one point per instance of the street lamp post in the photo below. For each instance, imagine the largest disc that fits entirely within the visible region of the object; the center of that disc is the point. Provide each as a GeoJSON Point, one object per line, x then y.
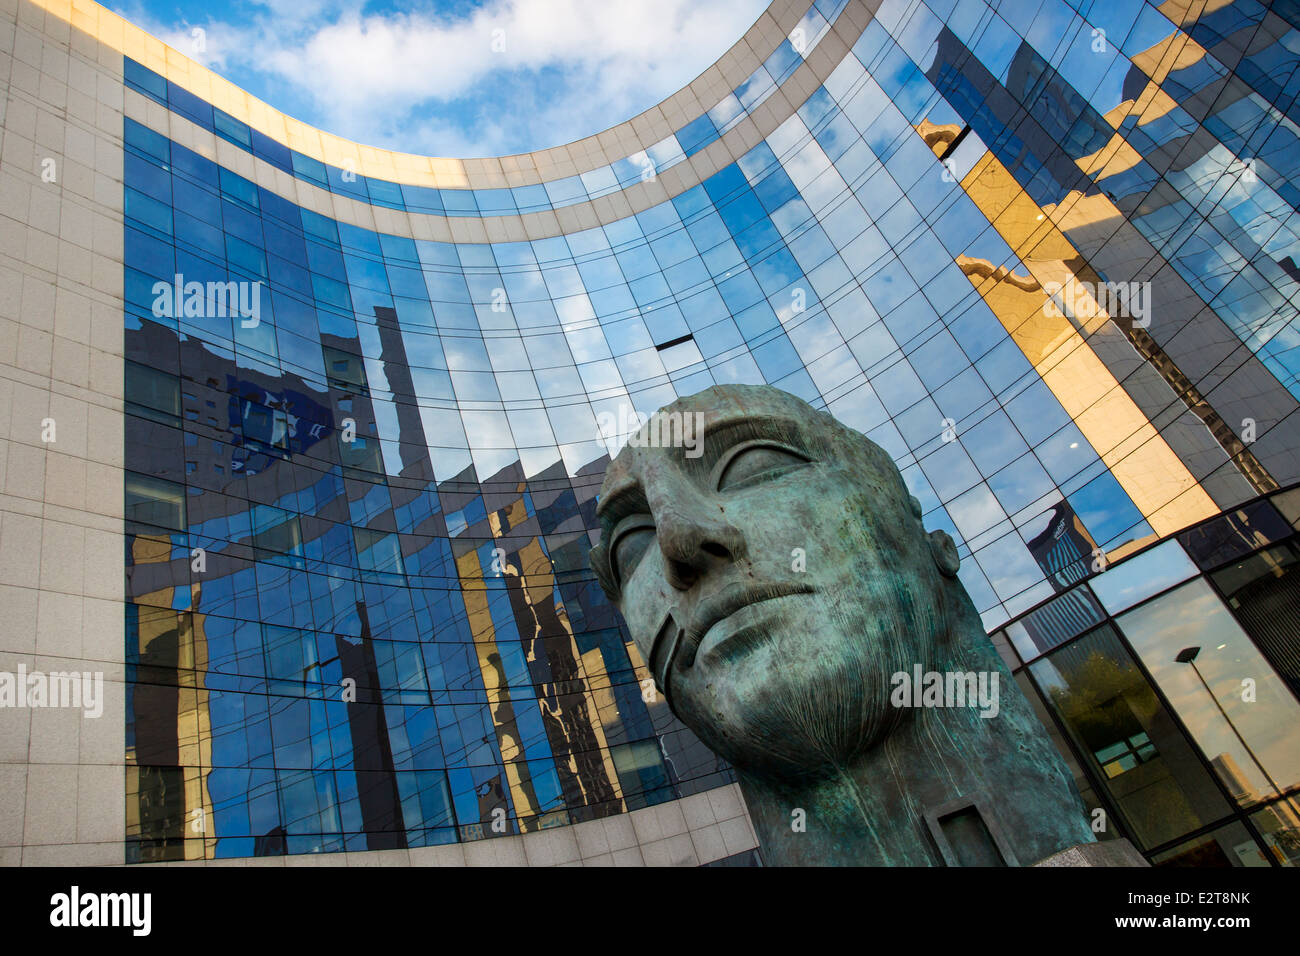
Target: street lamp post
{"type": "Point", "coordinates": [1188, 656]}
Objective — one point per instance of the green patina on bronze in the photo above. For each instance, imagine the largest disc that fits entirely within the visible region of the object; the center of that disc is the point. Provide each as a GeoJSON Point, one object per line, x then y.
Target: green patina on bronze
{"type": "Point", "coordinates": [775, 584]}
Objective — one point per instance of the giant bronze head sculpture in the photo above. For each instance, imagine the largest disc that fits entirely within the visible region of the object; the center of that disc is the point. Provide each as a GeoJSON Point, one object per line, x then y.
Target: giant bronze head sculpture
{"type": "Point", "coordinates": [776, 577]}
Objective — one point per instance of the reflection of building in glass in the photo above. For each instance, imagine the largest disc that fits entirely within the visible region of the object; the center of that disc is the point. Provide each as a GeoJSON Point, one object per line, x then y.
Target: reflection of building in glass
{"type": "Point", "coordinates": [1046, 259]}
{"type": "Point", "coordinates": [1063, 549]}
{"type": "Point", "coordinates": [1239, 788]}
{"type": "Point", "coordinates": [1152, 754]}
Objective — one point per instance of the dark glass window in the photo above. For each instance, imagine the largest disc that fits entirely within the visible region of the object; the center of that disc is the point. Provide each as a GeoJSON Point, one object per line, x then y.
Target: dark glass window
{"type": "Point", "coordinates": [1263, 592]}
{"type": "Point", "coordinates": [152, 393]}
{"type": "Point", "coordinates": [141, 78]}
{"type": "Point", "coordinates": [1234, 534]}
{"type": "Point", "coordinates": [1055, 623]}
{"type": "Point", "coordinates": [155, 501]}
{"type": "Point", "coordinates": [1110, 712]}
{"type": "Point", "coordinates": [1230, 845]}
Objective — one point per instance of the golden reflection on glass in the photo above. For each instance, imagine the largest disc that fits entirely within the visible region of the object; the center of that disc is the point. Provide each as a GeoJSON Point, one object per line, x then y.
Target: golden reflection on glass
{"type": "Point", "coordinates": [174, 645]}
{"type": "Point", "coordinates": [1148, 470]}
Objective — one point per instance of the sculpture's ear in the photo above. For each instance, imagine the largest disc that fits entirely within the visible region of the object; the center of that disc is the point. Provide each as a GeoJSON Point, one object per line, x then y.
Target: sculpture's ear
{"type": "Point", "coordinates": [941, 546]}
{"type": "Point", "coordinates": [945, 553]}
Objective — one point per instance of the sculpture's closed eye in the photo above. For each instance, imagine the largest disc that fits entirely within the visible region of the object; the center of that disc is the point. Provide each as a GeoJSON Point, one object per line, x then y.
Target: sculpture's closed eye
{"type": "Point", "coordinates": [753, 464]}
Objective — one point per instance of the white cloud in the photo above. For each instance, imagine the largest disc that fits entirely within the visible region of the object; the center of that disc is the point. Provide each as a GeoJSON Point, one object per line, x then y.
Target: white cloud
{"type": "Point", "coordinates": [423, 82]}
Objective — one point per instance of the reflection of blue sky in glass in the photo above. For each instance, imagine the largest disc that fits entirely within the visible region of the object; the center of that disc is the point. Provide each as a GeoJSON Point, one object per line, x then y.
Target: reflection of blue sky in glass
{"type": "Point", "coordinates": [1140, 577]}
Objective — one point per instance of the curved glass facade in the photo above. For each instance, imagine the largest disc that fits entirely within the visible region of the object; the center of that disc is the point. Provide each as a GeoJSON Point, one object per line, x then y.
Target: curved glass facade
{"type": "Point", "coordinates": [1042, 252]}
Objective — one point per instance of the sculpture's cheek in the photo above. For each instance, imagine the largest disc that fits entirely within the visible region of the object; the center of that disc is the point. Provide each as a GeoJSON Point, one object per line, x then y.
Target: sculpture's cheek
{"type": "Point", "coordinates": [646, 599]}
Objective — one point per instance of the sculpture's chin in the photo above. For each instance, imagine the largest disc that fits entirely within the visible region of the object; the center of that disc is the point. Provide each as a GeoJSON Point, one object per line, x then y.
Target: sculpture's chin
{"type": "Point", "coordinates": [812, 695]}
{"type": "Point", "coordinates": [790, 724]}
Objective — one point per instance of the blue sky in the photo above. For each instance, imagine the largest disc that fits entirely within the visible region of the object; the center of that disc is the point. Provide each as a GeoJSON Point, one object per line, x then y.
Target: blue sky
{"type": "Point", "coordinates": [454, 78]}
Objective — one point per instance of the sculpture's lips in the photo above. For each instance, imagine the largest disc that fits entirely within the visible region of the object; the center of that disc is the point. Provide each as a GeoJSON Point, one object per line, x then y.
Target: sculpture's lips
{"type": "Point", "coordinates": [718, 608]}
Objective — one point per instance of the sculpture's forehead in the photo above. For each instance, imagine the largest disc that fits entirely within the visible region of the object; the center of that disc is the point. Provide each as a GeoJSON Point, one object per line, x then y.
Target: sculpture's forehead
{"type": "Point", "coordinates": [713, 413]}
{"type": "Point", "coordinates": [648, 468]}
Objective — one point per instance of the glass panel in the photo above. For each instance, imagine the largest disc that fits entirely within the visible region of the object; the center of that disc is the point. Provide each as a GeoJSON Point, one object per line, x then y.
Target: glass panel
{"type": "Point", "coordinates": [1288, 502]}
{"type": "Point", "coordinates": [1092, 802]}
{"type": "Point", "coordinates": [152, 389]}
{"type": "Point", "coordinates": [1263, 592]}
{"type": "Point", "coordinates": [1122, 586]}
{"type": "Point", "coordinates": [1105, 703]}
{"type": "Point", "coordinates": [1279, 824]}
{"type": "Point", "coordinates": [1227, 846]}
{"type": "Point", "coordinates": [1055, 623]}
{"type": "Point", "coordinates": [155, 501]}
{"type": "Point", "coordinates": [1236, 707]}
{"type": "Point", "coordinates": [1234, 534]}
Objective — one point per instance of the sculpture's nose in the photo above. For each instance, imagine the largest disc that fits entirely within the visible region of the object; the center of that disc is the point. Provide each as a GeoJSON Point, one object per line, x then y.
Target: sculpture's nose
{"type": "Point", "coordinates": [693, 542]}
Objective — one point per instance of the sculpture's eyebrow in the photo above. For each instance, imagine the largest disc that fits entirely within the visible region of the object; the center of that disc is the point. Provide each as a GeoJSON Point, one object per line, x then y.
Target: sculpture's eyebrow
{"type": "Point", "coordinates": [721, 436]}
{"type": "Point", "coordinates": [627, 497]}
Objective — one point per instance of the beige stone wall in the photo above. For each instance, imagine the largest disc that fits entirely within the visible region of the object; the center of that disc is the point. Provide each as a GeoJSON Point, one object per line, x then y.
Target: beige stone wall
{"type": "Point", "coordinates": [62, 778]}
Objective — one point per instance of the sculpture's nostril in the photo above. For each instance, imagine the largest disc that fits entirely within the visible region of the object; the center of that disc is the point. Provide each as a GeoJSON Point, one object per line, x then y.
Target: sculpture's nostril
{"type": "Point", "coordinates": [681, 574]}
